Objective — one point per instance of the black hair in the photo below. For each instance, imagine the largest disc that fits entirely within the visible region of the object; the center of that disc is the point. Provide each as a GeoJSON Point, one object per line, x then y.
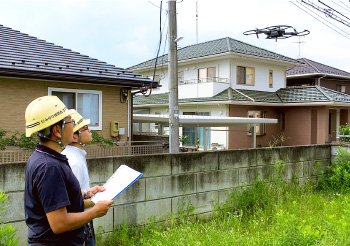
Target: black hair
{"type": "Point", "coordinates": [46, 133]}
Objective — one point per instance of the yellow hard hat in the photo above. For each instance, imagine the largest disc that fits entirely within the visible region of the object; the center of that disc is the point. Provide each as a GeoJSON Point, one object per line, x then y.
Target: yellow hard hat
{"type": "Point", "coordinates": [44, 112]}
{"type": "Point", "coordinates": [79, 121]}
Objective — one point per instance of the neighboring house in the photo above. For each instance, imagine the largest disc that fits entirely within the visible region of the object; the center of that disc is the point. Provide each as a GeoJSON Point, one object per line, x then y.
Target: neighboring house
{"type": "Point", "coordinates": [31, 68]}
{"type": "Point", "coordinates": [226, 77]}
{"type": "Point", "coordinates": [315, 73]}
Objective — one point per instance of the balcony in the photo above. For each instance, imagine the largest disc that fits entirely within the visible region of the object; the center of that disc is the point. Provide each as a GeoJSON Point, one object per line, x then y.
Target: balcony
{"type": "Point", "coordinates": [205, 87]}
{"type": "Point", "coordinates": [204, 80]}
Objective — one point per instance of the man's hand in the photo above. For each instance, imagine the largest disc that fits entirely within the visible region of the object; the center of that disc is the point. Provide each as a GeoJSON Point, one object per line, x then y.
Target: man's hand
{"type": "Point", "coordinates": [93, 190]}
{"type": "Point", "coordinates": [101, 208]}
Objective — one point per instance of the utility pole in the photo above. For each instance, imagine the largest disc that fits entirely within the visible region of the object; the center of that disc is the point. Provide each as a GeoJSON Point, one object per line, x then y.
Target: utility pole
{"type": "Point", "coordinates": [173, 81]}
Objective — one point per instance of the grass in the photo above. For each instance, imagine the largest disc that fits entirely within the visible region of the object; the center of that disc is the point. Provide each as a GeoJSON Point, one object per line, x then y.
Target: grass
{"type": "Point", "coordinates": [269, 213]}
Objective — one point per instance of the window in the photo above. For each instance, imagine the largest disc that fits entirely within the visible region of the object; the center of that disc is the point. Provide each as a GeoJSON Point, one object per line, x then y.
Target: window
{"type": "Point", "coordinates": [245, 75]}
{"type": "Point", "coordinates": [195, 133]}
{"type": "Point", "coordinates": [282, 121]}
{"type": "Point", "coordinates": [207, 74]}
{"type": "Point", "coordinates": [270, 78]}
{"type": "Point", "coordinates": [87, 102]}
{"type": "Point", "coordinates": [180, 77]}
{"type": "Point", "coordinates": [341, 88]}
{"type": "Point", "coordinates": [260, 128]}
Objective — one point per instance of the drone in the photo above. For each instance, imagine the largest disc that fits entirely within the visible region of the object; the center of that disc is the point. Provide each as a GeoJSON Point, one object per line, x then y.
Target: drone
{"type": "Point", "coordinates": [277, 32]}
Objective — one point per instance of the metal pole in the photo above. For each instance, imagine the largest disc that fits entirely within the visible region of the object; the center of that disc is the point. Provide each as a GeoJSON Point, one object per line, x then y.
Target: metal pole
{"type": "Point", "coordinates": [173, 81]}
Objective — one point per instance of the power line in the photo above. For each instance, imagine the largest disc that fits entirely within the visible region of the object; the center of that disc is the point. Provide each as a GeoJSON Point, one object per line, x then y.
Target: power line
{"type": "Point", "coordinates": [322, 19]}
{"type": "Point", "coordinates": [319, 19]}
{"type": "Point", "coordinates": [345, 5]}
{"type": "Point", "coordinates": [327, 12]}
{"type": "Point", "coordinates": [347, 9]}
{"type": "Point", "coordinates": [333, 9]}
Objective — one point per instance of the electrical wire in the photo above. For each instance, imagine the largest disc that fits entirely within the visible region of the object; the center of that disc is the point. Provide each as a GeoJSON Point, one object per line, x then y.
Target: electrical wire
{"type": "Point", "coordinates": [328, 12]}
{"type": "Point", "coordinates": [319, 19]}
{"type": "Point", "coordinates": [333, 9]}
{"type": "Point", "coordinates": [345, 5]}
{"type": "Point", "coordinates": [159, 45]}
{"type": "Point", "coordinates": [347, 9]}
{"type": "Point", "coordinates": [165, 45]}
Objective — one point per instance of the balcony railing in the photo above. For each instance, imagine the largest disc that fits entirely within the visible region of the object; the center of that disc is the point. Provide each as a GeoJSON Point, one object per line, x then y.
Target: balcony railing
{"type": "Point", "coordinates": [205, 80]}
{"type": "Point", "coordinates": [16, 156]}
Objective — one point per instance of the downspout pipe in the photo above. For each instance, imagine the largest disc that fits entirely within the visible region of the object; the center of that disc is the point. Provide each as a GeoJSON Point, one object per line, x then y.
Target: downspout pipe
{"type": "Point", "coordinates": [319, 80]}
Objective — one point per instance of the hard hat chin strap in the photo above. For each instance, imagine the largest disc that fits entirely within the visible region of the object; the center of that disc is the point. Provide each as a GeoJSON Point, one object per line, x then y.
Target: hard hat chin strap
{"type": "Point", "coordinates": [40, 135]}
{"type": "Point", "coordinates": [47, 132]}
{"type": "Point", "coordinates": [79, 140]}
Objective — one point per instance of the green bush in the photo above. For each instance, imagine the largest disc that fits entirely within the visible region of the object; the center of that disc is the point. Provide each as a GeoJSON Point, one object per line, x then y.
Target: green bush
{"type": "Point", "coordinates": [344, 130]}
{"type": "Point", "coordinates": [337, 176]}
{"type": "Point", "coordinates": [99, 140]}
{"type": "Point", "coordinates": [2, 139]}
{"type": "Point", "coordinates": [17, 139]}
{"type": "Point", "coordinates": [7, 232]}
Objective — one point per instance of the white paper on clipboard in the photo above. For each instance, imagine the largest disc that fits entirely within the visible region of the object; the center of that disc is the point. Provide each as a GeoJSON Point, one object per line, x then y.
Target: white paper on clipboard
{"type": "Point", "coordinates": [121, 179]}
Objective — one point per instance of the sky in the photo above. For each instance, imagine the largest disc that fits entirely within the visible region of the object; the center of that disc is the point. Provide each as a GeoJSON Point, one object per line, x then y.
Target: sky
{"type": "Point", "coordinates": [127, 32]}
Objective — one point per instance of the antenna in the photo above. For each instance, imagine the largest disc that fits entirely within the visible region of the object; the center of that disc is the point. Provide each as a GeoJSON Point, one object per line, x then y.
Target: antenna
{"type": "Point", "coordinates": [299, 42]}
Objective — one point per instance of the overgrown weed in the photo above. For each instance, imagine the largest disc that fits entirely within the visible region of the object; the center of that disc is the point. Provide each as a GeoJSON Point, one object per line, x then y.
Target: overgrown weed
{"type": "Point", "coordinates": [272, 212]}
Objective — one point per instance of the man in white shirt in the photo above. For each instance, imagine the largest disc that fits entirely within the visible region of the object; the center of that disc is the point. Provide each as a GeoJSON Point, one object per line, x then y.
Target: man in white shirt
{"type": "Point", "coordinates": [76, 155]}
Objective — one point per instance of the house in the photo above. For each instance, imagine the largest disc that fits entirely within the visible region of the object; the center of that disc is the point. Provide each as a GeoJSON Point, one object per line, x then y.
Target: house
{"type": "Point", "coordinates": [227, 77]}
{"type": "Point", "coordinates": [31, 68]}
{"type": "Point", "coordinates": [315, 73]}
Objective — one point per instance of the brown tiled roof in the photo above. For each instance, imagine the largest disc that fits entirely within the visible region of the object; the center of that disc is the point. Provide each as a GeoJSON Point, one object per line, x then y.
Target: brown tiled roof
{"type": "Point", "coordinates": [312, 67]}
{"type": "Point", "coordinates": [25, 56]}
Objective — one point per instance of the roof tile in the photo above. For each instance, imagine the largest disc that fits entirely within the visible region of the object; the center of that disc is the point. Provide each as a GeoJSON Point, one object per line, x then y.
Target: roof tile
{"type": "Point", "coordinates": [297, 94]}
{"type": "Point", "coordinates": [312, 67]}
{"type": "Point", "coordinates": [217, 46]}
{"type": "Point", "coordinates": [24, 55]}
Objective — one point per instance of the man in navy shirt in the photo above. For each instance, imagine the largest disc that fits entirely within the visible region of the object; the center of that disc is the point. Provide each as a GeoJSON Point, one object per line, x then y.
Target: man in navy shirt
{"type": "Point", "coordinates": [53, 200]}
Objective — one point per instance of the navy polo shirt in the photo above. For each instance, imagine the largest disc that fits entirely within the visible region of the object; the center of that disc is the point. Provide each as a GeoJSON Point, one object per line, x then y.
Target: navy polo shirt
{"type": "Point", "coordinates": [49, 185]}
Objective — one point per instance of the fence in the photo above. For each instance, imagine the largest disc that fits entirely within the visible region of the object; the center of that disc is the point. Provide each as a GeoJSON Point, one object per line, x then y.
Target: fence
{"type": "Point", "coordinates": [124, 150]}
{"type": "Point", "coordinates": [15, 156]}
{"type": "Point", "coordinates": [205, 178]}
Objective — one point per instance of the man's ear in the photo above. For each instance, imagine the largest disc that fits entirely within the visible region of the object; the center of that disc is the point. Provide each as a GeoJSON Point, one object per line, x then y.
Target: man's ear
{"type": "Point", "coordinates": [75, 138]}
{"type": "Point", "coordinates": [57, 131]}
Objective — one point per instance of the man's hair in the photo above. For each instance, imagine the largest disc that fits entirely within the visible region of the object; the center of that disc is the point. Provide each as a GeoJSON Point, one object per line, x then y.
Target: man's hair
{"type": "Point", "coordinates": [47, 132]}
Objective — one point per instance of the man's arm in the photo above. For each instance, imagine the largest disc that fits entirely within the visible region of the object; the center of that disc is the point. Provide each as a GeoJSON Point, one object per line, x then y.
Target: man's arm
{"type": "Point", "coordinates": [60, 221]}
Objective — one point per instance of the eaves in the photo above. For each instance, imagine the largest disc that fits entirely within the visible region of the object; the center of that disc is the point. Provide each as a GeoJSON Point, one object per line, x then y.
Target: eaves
{"type": "Point", "coordinates": [226, 55]}
{"type": "Point", "coordinates": [317, 74]}
{"type": "Point", "coordinates": [28, 74]}
{"type": "Point", "coordinates": [249, 103]}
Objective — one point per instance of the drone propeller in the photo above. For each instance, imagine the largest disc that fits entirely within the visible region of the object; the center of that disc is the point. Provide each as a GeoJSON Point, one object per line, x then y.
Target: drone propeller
{"type": "Point", "coordinates": [277, 32]}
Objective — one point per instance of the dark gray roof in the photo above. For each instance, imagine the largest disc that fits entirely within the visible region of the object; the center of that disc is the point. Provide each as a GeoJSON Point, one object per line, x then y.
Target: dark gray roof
{"type": "Point", "coordinates": [297, 94]}
{"type": "Point", "coordinates": [25, 56]}
{"type": "Point", "coordinates": [218, 46]}
{"type": "Point", "coordinates": [312, 67]}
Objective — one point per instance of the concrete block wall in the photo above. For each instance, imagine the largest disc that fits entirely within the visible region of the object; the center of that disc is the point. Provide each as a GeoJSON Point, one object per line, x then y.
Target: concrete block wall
{"type": "Point", "coordinates": [201, 177]}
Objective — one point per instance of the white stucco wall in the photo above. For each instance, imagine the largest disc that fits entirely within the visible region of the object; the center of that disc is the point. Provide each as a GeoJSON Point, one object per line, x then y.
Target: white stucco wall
{"type": "Point", "coordinates": [225, 68]}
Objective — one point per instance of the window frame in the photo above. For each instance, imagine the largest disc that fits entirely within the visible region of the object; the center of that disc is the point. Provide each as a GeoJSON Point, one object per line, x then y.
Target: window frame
{"type": "Point", "coordinates": [243, 80]}
{"type": "Point", "coordinates": [339, 88]}
{"type": "Point", "coordinates": [270, 78]}
{"type": "Point", "coordinates": [206, 79]}
{"type": "Point", "coordinates": [196, 129]}
{"type": "Point", "coordinates": [183, 77]}
{"type": "Point", "coordinates": [82, 91]}
{"type": "Point", "coordinates": [260, 128]}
